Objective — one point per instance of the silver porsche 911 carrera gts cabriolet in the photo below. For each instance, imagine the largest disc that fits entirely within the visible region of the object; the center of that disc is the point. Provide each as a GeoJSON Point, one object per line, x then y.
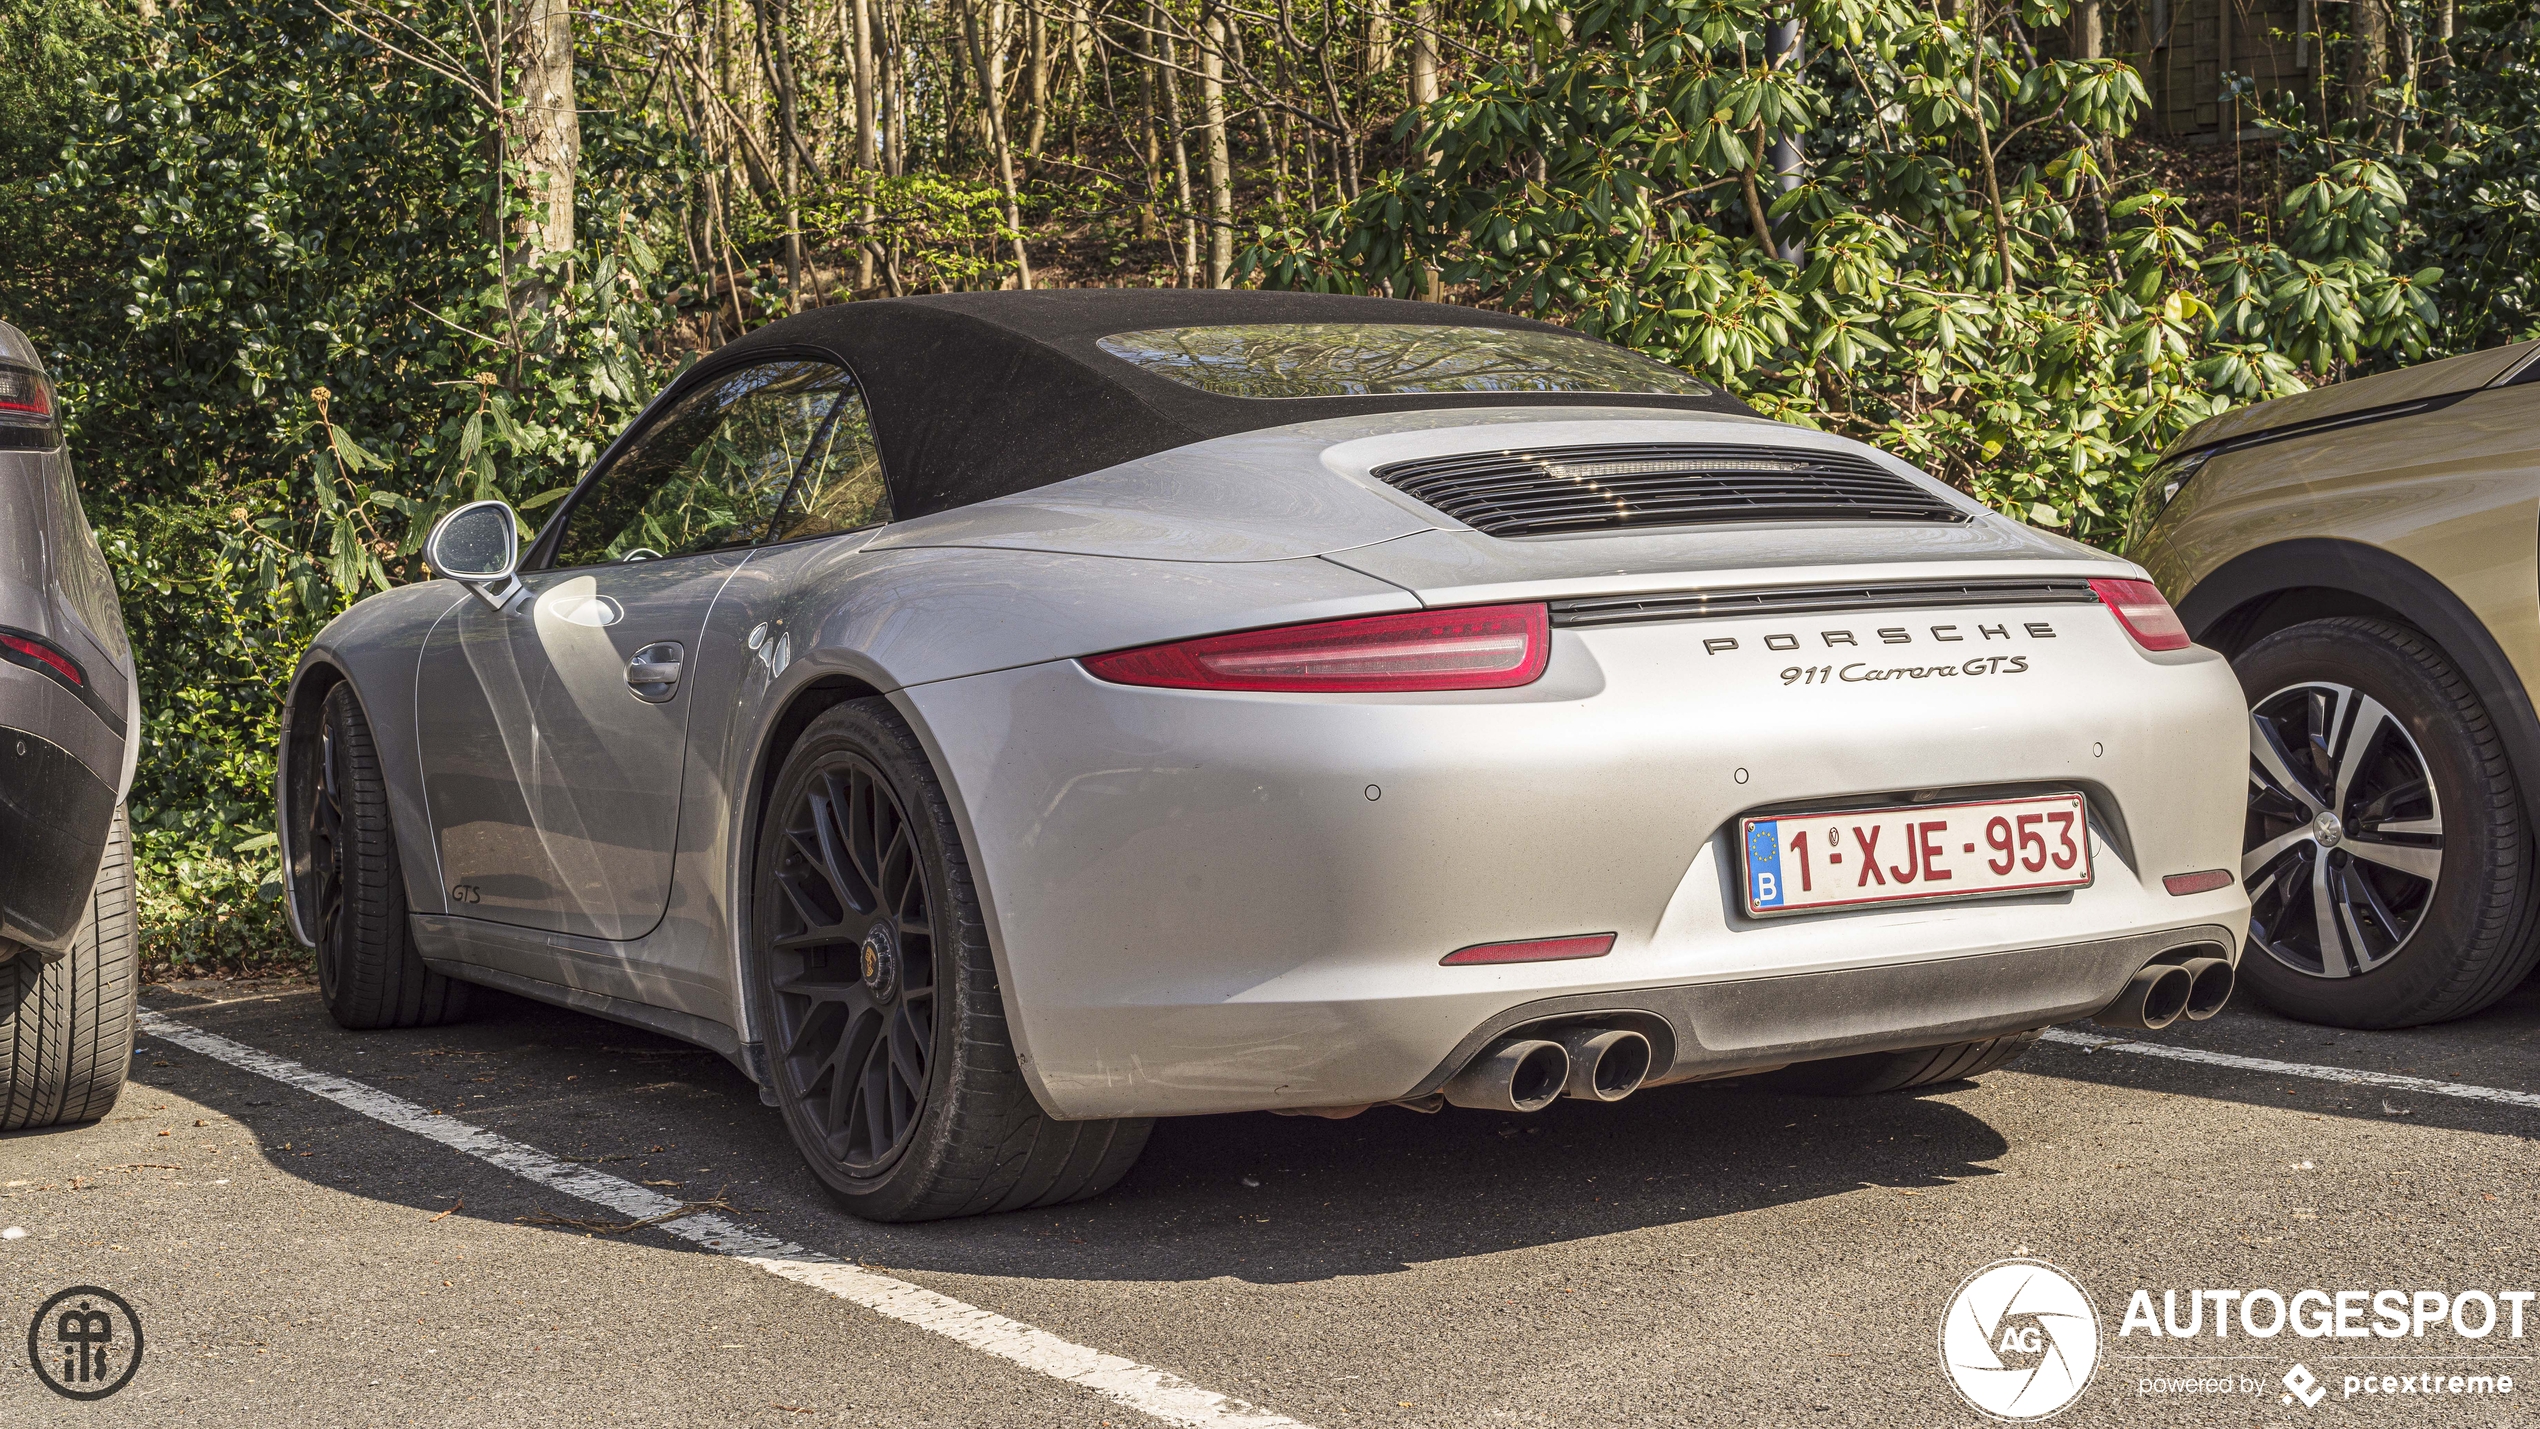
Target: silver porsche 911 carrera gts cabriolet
{"type": "Point", "coordinates": [996, 720]}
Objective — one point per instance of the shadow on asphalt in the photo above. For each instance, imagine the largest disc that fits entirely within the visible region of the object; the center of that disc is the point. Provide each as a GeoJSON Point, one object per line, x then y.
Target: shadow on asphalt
{"type": "Point", "coordinates": [1259, 1198]}
{"type": "Point", "coordinates": [2498, 1048]}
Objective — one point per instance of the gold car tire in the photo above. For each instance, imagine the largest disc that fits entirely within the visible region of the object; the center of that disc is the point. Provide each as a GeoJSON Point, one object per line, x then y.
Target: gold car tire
{"type": "Point", "coordinates": [2386, 852]}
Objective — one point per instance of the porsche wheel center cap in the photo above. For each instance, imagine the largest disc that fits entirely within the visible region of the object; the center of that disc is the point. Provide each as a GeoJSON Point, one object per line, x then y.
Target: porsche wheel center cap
{"type": "Point", "coordinates": [2328, 829]}
{"type": "Point", "coordinates": [881, 961]}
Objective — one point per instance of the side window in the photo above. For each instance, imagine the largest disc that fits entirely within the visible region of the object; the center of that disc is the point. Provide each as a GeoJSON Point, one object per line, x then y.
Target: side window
{"type": "Point", "coordinates": [716, 469]}
{"type": "Point", "coordinates": [842, 491]}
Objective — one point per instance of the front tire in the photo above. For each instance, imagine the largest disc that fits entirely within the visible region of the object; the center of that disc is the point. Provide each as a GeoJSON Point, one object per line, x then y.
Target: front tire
{"type": "Point", "coordinates": [886, 1034]}
{"type": "Point", "coordinates": [369, 975]}
{"type": "Point", "coordinates": [2387, 857]}
{"type": "Point", "coordinates": [66, 1025]}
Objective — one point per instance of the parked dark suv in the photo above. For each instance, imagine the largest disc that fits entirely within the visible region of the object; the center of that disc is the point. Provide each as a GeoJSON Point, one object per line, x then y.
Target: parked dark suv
{"type": "Point", "coordinates": [68, 717]}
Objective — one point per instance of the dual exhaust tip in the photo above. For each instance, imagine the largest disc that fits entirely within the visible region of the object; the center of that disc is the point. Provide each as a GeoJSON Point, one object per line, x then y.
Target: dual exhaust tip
{"type": "Point", "coordinates": [1529, 1073]}
{"type": "Point", "coordinates": [2165, 992]}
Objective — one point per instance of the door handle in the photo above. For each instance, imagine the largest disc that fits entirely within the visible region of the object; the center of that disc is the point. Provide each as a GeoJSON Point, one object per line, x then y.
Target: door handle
{"type": "Point", "coordinates": [654, 672]}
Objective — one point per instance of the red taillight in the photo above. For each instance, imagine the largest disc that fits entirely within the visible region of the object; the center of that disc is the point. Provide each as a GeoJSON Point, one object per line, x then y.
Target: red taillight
{"type": "Point", "coordinates": [1538, 950]}
{"type": "Point", "coordinates": [1482, 647]}
{"type": "Point", "coordinates": [36, 655]}
{"type": "Point", "coordinates": [25, 396]}
{"type": "Point", "coordinates": [2144, 614]}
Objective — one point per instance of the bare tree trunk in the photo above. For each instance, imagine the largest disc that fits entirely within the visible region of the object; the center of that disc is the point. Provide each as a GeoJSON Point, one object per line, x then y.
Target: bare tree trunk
{"type": "Point", "coordinates": [1423, 92]}
{"type": "Point", "coordinates": [550, 146]}
{"type": "Point", "coordinates": [894, 60]}
{"type": "Point", "coordinates": [1189, 256]}
{"type": "Point", "coordinates": [2367, 59]}
{"type": "Point", "coordinates": [1984, 147]}
{"type": "Point", "coordinates": [868, 154]}
{"type": "Point", "coordinates": [1782, 42]}
{"type": "Point", "coordinates": [1424, 52]}
{"type": "Point", "coordinates": [2086, 31]}
{"type": "Point", "coordinates": [776, 52]}
{"type": "Point", "coordinates": [1150, 222]}
{"type": "Point", "coordinates": [1379, 55]}
{"type": "Point", "coordinates": [1036, 34]}
{"type": "Point", "coordinates": [1221, 169]}
{"type": "Point", "coordinates": [986, 20]}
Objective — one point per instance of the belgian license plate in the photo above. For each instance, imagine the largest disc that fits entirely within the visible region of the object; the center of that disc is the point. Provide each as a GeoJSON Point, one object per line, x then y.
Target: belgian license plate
{"type": "Point", "coordinates": [1798, 863]}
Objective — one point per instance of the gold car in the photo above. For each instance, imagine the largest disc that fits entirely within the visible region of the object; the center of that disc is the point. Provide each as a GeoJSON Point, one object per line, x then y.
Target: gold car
{"type": "Point", "coordinates": [2368, 555]}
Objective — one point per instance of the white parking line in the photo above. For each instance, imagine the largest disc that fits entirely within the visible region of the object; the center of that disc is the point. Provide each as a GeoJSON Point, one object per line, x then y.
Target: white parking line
{"type": "Point", "coordinates": [2312, 1070]}
{"type": "Point", "coordinates": [1140, 1387]}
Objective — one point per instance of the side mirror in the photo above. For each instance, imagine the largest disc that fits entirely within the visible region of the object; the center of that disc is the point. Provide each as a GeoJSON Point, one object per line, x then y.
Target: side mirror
{"type": "Point", "coordinates": [478, 546]}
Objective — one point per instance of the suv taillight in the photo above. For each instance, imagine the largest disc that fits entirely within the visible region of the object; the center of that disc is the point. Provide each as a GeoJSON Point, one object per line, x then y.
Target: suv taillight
{"type": "Point", "coordinates": [26, 410]}
{"type": "Point", "coordinates": [2140, 608]}
{"type": "Point", "coordinates": [20, 648]}
{"type": "Point", "coordinates": [1483, 647]}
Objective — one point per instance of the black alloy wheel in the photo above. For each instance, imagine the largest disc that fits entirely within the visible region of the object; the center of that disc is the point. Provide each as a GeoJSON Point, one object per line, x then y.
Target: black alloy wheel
{"type": "Point", "coordinates": [369, 974]}
{"type": "Point", "coordinates": [2386, 851]}
{"type": "Point", "coordinates": [875, 992]}
{"type": "Point", "coordinates": [2345, 831]}
{"type": "Point", "coordinates": [852, 964]}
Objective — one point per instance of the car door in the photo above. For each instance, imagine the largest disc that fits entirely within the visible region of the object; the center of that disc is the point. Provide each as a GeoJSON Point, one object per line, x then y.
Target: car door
{"type": "Point", "coordinates": [553, 731]}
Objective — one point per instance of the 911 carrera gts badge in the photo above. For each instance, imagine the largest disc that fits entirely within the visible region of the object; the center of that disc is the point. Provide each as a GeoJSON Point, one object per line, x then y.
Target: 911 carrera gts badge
{"type": "Point", "coordinates": [1862, 672]}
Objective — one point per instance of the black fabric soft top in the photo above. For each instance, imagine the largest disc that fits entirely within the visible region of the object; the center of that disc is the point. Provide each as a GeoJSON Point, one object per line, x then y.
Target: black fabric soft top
{"type": "Point", "coordinates": [977, 395]}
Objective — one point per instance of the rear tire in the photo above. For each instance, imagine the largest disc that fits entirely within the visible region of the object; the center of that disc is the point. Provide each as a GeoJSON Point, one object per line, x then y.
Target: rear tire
{"type": "Point", "coordinates": [66, 1025]}
{"type": "Point", "coordinates": [2426, 865]}
{"type": "Point", "coordinates": [1877, 1072]}
{"type": "Point", "coordinates": [369, 974]}
{"type": "Point", "coordinates": [886, 1036]}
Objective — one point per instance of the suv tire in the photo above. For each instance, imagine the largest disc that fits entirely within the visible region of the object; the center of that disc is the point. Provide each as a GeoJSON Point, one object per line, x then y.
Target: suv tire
{"type": "Point", "coordinates": [66, 1024]}
{"type": "Point", "coordinates": [2407, 826]}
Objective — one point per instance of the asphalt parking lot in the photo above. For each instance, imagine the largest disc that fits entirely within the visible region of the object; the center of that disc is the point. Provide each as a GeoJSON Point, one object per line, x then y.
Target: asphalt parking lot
{"type": "Point", "coordinates": [1714, 1254]}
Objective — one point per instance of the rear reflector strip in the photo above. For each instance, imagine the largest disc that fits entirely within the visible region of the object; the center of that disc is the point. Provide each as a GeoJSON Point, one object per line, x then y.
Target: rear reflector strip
{"type": "Point", "coordinates": [1537, 950]}
{"type": "Point", "coordinates": [36, 655]}
{"type": "Point", "coordinates": [2182, 884]}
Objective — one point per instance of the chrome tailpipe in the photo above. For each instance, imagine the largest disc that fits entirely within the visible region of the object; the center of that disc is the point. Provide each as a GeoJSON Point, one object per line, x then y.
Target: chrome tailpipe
{"type": "Point", "coordinates": [2154, 999]}
{"type": "Point", "coordinates": [2213, 982]}
{"type": "Point", "coordinates": [1519, 1074]}
{"type": "Point", "coordinates": [1607, 1064]}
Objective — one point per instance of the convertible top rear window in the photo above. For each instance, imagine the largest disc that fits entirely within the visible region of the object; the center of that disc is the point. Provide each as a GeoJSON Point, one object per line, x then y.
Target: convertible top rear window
{"type": "Point", "coordinates": [1386, 359]}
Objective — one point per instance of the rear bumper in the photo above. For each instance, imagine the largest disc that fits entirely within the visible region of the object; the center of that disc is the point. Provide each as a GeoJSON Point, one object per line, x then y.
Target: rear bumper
{"type": "Point", "coordinates": [55, 816]}
{"type": "Point", "coordinates": [1722, 1028]}
{"type": "Point", "coordinates": [1205, 902]}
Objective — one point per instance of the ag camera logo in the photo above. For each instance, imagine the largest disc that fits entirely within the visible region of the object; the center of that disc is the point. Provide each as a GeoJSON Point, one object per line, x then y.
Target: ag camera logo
{"type": "Point", "coordinates": [2020, 1340]}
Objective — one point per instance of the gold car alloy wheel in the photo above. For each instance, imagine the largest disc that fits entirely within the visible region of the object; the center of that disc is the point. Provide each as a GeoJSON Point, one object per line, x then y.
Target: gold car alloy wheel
{"type": "Point", "coordinates": [2345, 833]}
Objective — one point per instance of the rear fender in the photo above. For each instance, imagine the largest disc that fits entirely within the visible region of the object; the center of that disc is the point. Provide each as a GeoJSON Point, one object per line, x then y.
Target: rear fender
{"type": "Point", "coordinates": [2259, 592]}
{"type": "Point", "coordinates": [377, 648]}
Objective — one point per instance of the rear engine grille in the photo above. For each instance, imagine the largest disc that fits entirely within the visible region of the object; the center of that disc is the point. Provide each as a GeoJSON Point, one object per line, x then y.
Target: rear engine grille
{"type": "Point", "coordinates": [1815, 600]}
{"type": "Point", "coordinates": [1561, 490]}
